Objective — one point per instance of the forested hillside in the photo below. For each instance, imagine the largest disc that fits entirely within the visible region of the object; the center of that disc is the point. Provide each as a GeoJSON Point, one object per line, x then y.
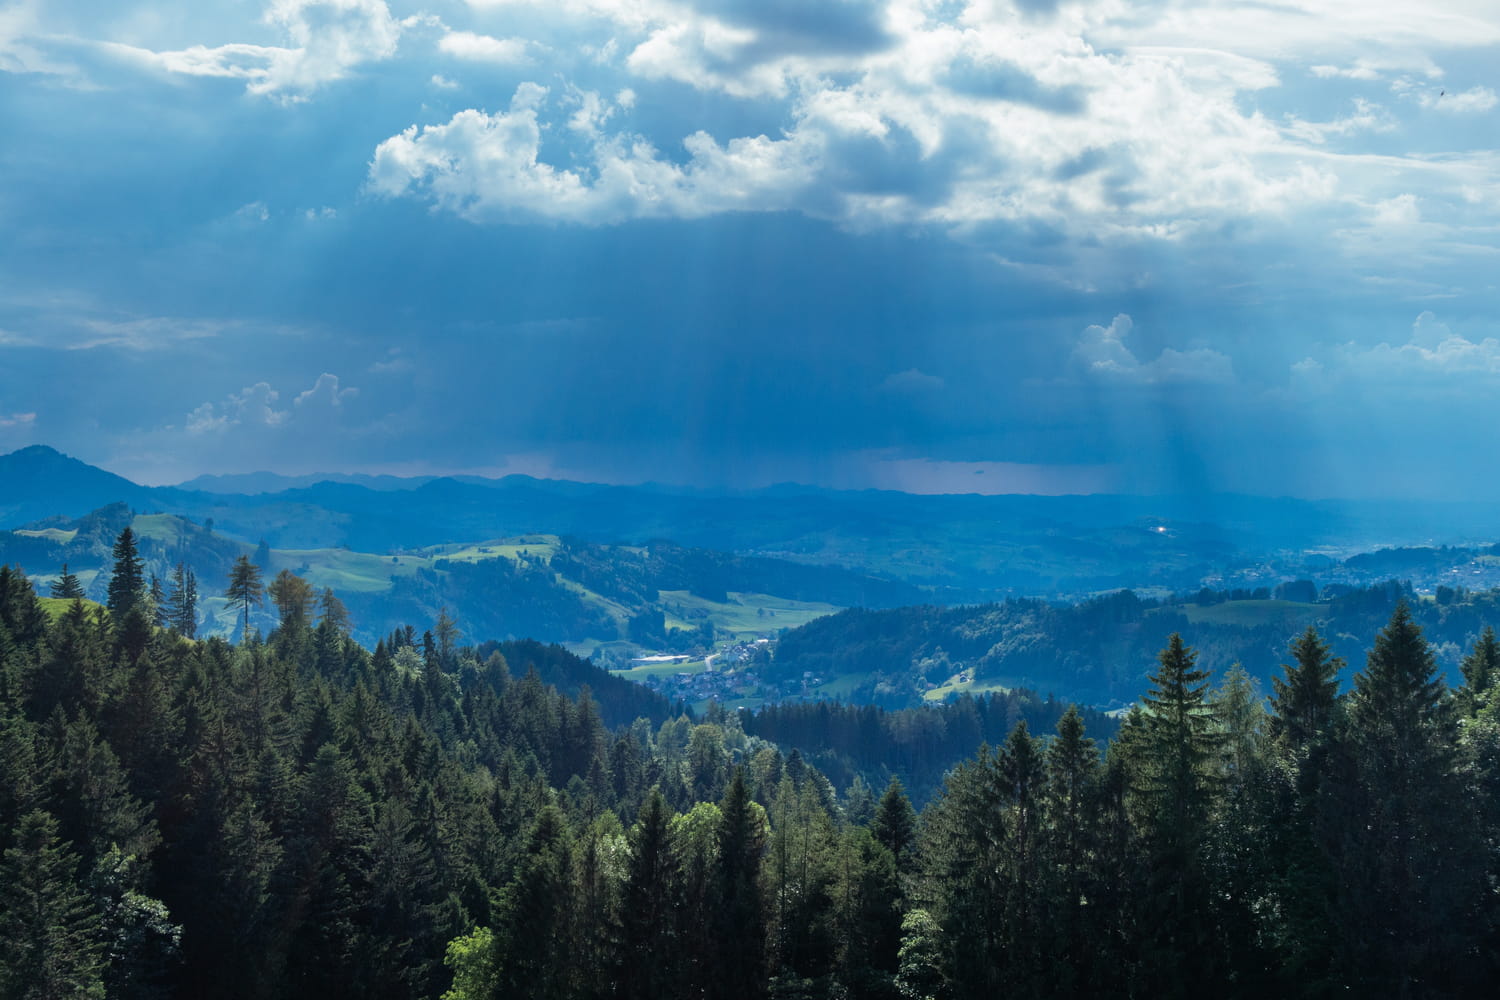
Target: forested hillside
{"type": "Point", "coordinates": [301, 816]}
{"type": "Point", "coordinates": [531, 586]}
{"type": "Point", "coordinates": [1100, 651]}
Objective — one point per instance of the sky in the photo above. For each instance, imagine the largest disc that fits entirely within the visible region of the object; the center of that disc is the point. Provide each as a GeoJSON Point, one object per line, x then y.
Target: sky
{"type": "Point", "coordinates": [934, 245]}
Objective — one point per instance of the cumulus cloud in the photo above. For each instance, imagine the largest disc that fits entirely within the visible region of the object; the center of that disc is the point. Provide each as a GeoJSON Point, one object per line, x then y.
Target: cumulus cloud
{"type": "Point", "coordinates": [982, 121]}
{"type": "Point", "coordinates": [488, 167]}
{"type": "Point", "coordinates": [11, 421]}
{"type": "Point", "coordinates": [1101, 352]}
{"type": "Point", "coordinates": [256, 407]}
{"type": "Point", "coordinates": [326, 40]}
{"type": "Point", "coordinates": [1433, 354]}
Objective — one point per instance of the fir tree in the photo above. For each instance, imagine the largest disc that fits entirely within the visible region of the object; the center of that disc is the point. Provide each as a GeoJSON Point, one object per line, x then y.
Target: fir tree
{"type": "Point", "coordinates": [895, 824]}
{"type": "Point", "coordinates": [741, 921]}
{"type": "Point", "coordinates": [1302, 705]}
{"type": "Point", "coordinates": [244, 589]}
{"type": "Point", "coordinates": [182, 603]}
{"type": "Point", "coordinates": [127, 584]}
{"type": "Point", "coordinates": [649, 960]}
{"type": "Point", "coordinates": [156, 601]}
{"type": "Point", "coordinates": [1403, 858]}
{"type": "Point", "coordinates": [1481, 669]}
{"type": "Point", "coordinates": [50, 938]}
{"type": "Point", "coordinates": [1175, 787]}
{"type": "Point", "coordinates": [66, 586]}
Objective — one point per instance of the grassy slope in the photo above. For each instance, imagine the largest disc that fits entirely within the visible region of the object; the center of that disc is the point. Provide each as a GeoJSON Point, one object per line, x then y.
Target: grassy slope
{"type": "Point", "coordinates": [56, 607]}
{"type": "Point", "coordinates": [742, 617]}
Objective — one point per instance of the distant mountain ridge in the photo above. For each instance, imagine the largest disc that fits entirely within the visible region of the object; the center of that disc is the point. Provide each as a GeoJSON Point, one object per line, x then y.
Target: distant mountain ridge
{"type": "Point", "coordinates": [39, 482]}
{"type": "Point", "coordinates": [971, 547]}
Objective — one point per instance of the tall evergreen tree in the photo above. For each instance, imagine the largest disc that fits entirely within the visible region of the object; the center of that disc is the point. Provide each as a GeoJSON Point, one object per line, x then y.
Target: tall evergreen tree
{"type": "Point", "coordinates": [1302, 705]}
{"type": "Point", "coordinates": [1404, 861]}
{"type": "Point", "coordinates": [156, 600]}
{"type": "Point", "coordinates": [1175, 787]}
{"type": "Point", "coordinates": [50, 939]}
{"type": "Point", "coordinates": [67, 586]}
{"type": "Point", "coordinates": [244, 589]}
{"type": "Point", "coordinates": [649, 963]}
{"type": "Point", "coordinates": [182, 603]}
{"type": "Point", "coordinates": [127, 583]}
{"type": "Point", "coordinates": [1481, 669]}
{"type": "Point", "coordinates": [1073, 768]}
{"type": "Point", "coordinates": [741, 919]}
{"type": "Point", "coordinates": [895, 824]}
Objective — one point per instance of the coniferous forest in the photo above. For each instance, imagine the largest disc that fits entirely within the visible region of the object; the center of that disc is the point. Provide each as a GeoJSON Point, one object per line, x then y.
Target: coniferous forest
{"type": "Point", "coordinates": [297, 816]}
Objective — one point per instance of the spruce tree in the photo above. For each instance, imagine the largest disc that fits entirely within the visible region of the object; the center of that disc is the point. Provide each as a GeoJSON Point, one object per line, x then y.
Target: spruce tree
{"type": "Point", "coordinates": [244, 589]}
{"type": "Point", "coordinates": [1302, 705]}
{"type": "Point", "coordinates": [127, 584]}
{"type": "Point", "coordinates": [1175, 787]}
{"type": "Point", "coordinates": [1404, 854]}
{"type": "Point", "coordinates": [50, 937]}
{"type": "Point", "coordinates": [1073, 768]}
{"type": "Point", "coordinates": [741, 919]}
{"type": "Point", "coordinates": [649, 961]}
{"type": "Point", "coordinates": [66, 586]}
{"type": "Point", "coordinates": [157, 603]}
{"type": "Point", "coordinates": [182, 604]}
{"type": "Point", "coordinates": [895, 824]}
{"type": "Point", "coordinates": [1481, 669]}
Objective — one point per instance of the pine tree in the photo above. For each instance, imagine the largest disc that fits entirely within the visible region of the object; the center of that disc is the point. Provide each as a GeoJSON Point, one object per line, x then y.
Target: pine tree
{"type": "Point", "coordinates": [1175, 787]}
{"type": "Point", "coordinates": [1404, 856]}
{"type": "Point", "coordinates": [127, 584]}
{"type": "Point", "coordinates": [182, 603]}
{"type": "Point", "coordinates": [1302, 705]}
{"type": "Point", "coordinates": [1022, 784]}
{"type": "Point", "coordinates": [157, 603]}
{"type": "Point", "coordinates": [1481, 670]}
{"type": "Point", "coordinates": [741, 920]}
{"type": "Point", "coordinates": [66, 586]}
{"type": "Point", "coordinates": [244, 589]}
{"type": "Point", "coordinates": [1073, 768]}
{"type": "Point", "coordinates": [895, 824]}
{"type": "Point", "coordinates": [649, 964]}
{"type": "Point", "coordinates": [50, 939]}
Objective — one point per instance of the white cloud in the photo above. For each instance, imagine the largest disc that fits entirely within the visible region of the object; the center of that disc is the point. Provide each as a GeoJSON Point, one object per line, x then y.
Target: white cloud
{"type": "Point", "coordinates": [1102, 124]}
{"type": "Point", "coordinates": [1401, 210]}
{"type": "Point", "coordinates": [12, 421]}
{"type": "Point", "coordinates": [1065, 123]}
{"type": "Point", "coordinates": [1102, 353]}
{"type": "Point", "coordinates": [1433, 356]}
{"type": "Point", "coordinates": [82, 333]}
{"type": "Point", "coordinates": [326, 40]}
{"type": "Point", "coordinates": [20, 28]}
{"type": "Point", "coordinates": [488, 167]}
{"type": "Point", "coordinates": [1475, 100]}
{"type": "Point", "coordinates": [1359, 71]}
{"type": "Point", "coordinates": [483, 48]}
{"type": "Point", "coordinates": [1366, 117]}
{"type": "Point", "coordinates": [256, 407]}
{"type": "Point", "coordinates": [324, 394]}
